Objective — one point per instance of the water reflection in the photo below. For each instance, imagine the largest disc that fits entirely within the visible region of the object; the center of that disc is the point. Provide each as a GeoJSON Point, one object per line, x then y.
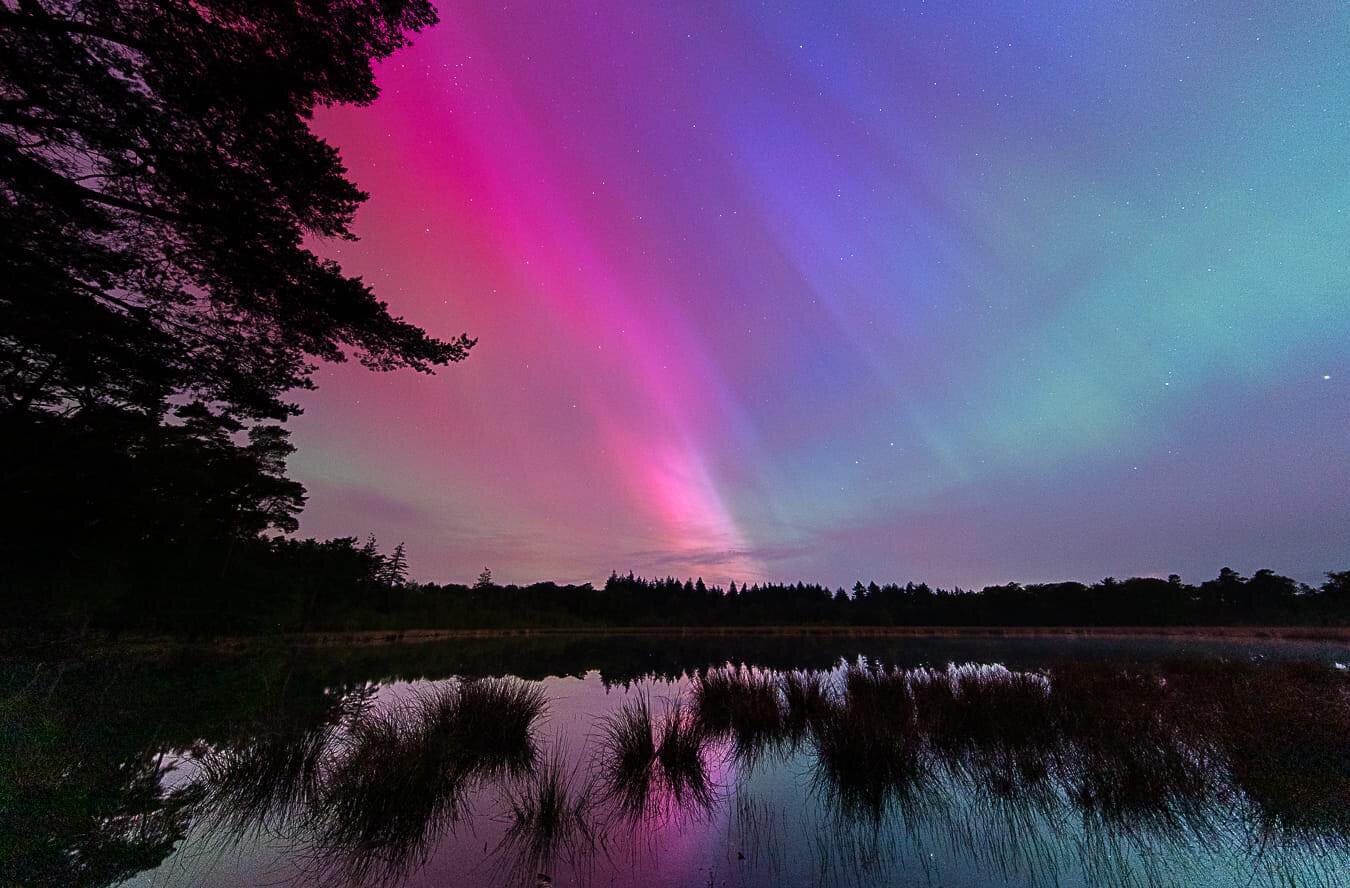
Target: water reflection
{"type": "Point", "coordinates": [1077, 771]}
{"type": "Point", "coordinates": [365, 795]}
{"type": "Point", "coordinates": [654, 769]}
{"type": "Point", "coordinates": [551, 822]}
{"type": "Point", "coordinates": [743, 707]}
{"type": "Point", "coordinates": [76, 807]}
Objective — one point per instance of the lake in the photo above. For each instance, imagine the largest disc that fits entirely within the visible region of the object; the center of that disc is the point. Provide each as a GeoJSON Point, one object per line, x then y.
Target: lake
{"type": "Point", "coordinates": [682, 761]}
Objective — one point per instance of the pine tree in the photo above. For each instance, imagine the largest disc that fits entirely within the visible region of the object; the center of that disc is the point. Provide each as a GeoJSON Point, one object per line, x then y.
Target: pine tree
{"type": "Point", "coordinates": [395, 572]}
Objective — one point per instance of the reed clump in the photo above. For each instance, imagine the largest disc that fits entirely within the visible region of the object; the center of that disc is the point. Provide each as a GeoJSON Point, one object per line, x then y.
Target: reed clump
{"type": "Point", "coordinates": [868, 749]}
{"type": "Point", "coordinates": [267, 781]}
{"type": "Point", "coordinates": [627, 751]}
{"type": "Point", "coordinates": [655, 767]}
{"type": "Point", "coordinates": [743, 705]}
{"type": "Point", "coordinates": [407, 772]}
{"type": "Point", "coordinates": [807, 700]}
{"type": "Point", "coordinates": [491, 722]}
{"type": "Point", "coordinates": [549, 819]}
{"type": "Point", "coordinates": [680, 754]}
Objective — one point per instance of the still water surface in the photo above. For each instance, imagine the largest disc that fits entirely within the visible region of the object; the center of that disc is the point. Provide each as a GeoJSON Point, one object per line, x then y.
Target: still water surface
{"type": "Point", "coordinates": [687, 762]}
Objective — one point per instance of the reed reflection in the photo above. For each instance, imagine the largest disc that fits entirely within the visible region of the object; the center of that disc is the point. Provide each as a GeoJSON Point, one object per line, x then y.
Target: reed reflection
{"type": "Point", "coordinates": [364, 799]}
{"type": "Point", "coordinates": [743, 707]}
{"type": "Point", "coordinates": [551, 822]}
{"type": "Point", "coordinates": [1119, 772]}
{"type": "Point", "coordinates": [655, 769]}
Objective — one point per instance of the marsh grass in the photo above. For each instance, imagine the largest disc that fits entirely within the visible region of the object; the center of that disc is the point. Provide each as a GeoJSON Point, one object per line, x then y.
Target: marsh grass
{"type": "Point", "coordinates": [490, 722]}
{"type": "Point", "coordinates": [877, 692]}
{"type": "Point", "coordinates": [742, 705]}
{"type": "Point", "coordinates": [992, 726]}
{"type": "Point", "coordinates": [265, 783]}
{"type": "Point", "coordinates": [1078, 764]}
{"type": "Point", "coordinates": [681, 755]}
{"type": "Point", "coordinates": [807, 700]}
{"type": "Point", "coordinates": [1124, 761]}
{"type": "Point", "coordinates": [368, 799]}
{"type": "Point", "coordinates": [655, 769]}
{"type": "Point", "coordinates": [1282, 725]}
{"type": "Point", "coordinates": [272, 778]}
{"type": "Point", "coordinates": [868, 749]}
{"type": "Point", "coordinates": [627, 752]}
{"type": "Point", "coordinates": [392, 791]}
{"type": "Point", "coordinates": [550, 820]}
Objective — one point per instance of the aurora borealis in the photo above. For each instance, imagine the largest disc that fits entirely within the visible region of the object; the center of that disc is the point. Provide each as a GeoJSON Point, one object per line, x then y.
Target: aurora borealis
{"type": "Point", "coordinates": [953, 292]}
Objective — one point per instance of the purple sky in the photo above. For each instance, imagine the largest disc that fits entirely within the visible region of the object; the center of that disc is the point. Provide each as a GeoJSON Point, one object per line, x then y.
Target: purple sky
{"type": "Point", "coordinates": [954, 292]}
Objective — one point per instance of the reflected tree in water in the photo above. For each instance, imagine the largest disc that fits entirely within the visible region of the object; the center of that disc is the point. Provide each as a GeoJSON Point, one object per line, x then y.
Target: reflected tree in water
{"type": "Point", "coordinates": [75, 814]}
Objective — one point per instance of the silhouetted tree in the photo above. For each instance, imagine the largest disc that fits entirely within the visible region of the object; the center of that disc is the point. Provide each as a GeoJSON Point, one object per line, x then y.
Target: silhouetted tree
{"type": "Point", "coordinates": [1337, 587]}
{"type": "Point", "coordinates": [484, 580]}
{"type": "Point", "coordinates": [395, 572]}
{"type": "Point", "coordinates": [158, 182]}
{"type": "Point", "coordinates": [1267, 591]}
{"type": "Point", "coordinates": [1226, 590]}
{"type": "Point", "coordinates": [371, 548]}
{"type": "Point", "coordinates": [158, 177]}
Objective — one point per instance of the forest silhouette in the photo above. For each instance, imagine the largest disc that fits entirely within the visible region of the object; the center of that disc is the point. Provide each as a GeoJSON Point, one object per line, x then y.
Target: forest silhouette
{"type": "Point", "coordinates": [282, 585]}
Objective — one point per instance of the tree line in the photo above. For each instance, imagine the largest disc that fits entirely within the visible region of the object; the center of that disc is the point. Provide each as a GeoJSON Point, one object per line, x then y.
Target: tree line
{"type": "Point", "coordinates": [284, 585]}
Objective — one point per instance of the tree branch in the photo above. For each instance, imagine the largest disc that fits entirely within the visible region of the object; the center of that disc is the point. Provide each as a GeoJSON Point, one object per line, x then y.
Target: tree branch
{"type": "Point", "coordinates": [47, 25]}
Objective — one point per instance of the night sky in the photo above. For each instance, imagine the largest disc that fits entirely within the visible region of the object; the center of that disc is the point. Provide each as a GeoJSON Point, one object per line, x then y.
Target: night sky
{"type": "Point", "coordinates": [952, 292]}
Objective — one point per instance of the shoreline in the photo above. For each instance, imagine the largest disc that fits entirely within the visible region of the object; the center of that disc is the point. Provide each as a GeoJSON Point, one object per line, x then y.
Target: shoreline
{"type": "Point", "coordinates": [389, 637]}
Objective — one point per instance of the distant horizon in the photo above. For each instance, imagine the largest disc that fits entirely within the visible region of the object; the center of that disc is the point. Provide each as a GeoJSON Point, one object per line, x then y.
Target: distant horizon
{"type": "Point", "coordinates": [1047, 291]}
{"type": "Point", "coordinates": [1309, 576]}
{"type": "Point", "coordinates": [1310, 580]}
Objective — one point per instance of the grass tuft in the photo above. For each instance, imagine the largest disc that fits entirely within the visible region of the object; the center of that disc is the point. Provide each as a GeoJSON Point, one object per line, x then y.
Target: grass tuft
{"type": "Point", "coordinates": [745, 706]}
{"type": "Point", "coordinates": [549, 820]}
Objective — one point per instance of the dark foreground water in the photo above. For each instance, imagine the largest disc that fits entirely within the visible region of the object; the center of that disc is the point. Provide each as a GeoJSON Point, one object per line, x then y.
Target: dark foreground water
{"type": "Point", "coordinates": [682, 762]}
